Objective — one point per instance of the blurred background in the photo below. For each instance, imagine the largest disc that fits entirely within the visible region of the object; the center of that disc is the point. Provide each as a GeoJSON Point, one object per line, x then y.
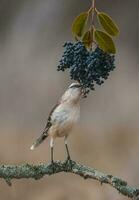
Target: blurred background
{"type": "Point", "coordinates": [32, 33]}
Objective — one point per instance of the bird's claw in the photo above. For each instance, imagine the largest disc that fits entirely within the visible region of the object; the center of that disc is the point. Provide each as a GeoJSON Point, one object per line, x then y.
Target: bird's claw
{"type": "Point", "coordinates": [68, 163]}
{"type": "Point", "coordinates": [53, 166]}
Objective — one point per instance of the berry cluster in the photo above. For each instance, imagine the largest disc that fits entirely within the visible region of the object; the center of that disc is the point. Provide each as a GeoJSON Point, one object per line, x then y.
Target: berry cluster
{"type": "Point", "coordinates": [86, 67]}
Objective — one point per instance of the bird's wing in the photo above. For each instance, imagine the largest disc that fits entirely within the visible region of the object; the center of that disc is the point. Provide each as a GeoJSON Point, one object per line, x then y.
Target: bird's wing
{"type": "Point", "coordinates": [49, 124]}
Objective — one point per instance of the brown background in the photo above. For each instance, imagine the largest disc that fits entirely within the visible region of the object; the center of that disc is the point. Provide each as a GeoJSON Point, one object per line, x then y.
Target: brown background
{"type": "Point", "coordinates": [31, 36]}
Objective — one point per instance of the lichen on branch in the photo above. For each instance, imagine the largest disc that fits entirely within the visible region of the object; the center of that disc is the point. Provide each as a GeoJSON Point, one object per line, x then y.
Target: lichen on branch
{"type": "Point", "coordinates": [9, 172]}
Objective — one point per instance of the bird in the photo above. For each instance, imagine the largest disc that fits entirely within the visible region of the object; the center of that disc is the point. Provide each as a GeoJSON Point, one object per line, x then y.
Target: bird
{"type": "Point", "coordinates": [62, 118]}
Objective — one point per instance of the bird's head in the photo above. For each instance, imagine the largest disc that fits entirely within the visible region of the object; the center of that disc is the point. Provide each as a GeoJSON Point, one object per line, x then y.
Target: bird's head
{"type": "Point", "coordinates": [73, 93]}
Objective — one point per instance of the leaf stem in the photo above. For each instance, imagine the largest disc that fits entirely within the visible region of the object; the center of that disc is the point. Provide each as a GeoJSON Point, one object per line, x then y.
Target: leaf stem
{"type": "Point", "coordinates": [96, 10]}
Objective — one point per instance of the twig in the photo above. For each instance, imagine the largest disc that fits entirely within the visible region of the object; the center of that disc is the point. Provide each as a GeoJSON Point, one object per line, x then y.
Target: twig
{"type": "Point", "coordinates": [9, 172]}
{"type": "Point", "coordinates": [93, 9]}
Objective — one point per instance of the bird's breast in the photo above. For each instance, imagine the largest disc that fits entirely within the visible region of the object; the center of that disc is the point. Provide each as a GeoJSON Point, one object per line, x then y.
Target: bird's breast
{"type": "Point", "coordinates": [63, 120]}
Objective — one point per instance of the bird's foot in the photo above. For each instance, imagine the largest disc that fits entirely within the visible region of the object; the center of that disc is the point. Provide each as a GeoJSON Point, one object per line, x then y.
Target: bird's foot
{"type": "Point", "coordinates": [68, 164]}
{"type": "Point", "coordinates": [53, 166]}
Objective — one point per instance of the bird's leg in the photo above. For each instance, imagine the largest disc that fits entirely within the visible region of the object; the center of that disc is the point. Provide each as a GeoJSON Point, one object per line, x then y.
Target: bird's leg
{"type": "Point", "coordinates": [52, 150]}
{"type": "Point", "coordinates": [68, 155]}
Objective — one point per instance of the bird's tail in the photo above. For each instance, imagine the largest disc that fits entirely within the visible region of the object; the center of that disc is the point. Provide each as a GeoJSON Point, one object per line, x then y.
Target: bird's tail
{"type": "Point", "coordinates": [39, 140]}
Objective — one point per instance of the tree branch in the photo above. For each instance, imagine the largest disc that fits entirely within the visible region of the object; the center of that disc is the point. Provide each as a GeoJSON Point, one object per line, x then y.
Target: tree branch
{"type": "Point", "coordinates": [9, 172]}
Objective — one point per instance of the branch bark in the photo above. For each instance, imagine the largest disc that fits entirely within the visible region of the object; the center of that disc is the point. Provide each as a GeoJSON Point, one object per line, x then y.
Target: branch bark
{"type": "Point", "coordinates": [9, 172]}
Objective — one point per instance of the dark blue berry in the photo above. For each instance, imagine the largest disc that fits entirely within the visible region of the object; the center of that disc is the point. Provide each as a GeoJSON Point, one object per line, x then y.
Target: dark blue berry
{"type": "Point", "coordinates": [87, 67]}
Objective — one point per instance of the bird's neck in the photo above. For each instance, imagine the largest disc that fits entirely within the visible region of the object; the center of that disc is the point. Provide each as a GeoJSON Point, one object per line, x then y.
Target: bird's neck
{"type": "Point", "coordinates": [73, 102]}
{"type": "Point", "coordinates": [70, 99]}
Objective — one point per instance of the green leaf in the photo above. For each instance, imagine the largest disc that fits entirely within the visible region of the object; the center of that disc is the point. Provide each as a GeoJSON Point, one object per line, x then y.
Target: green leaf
{"type": "Point", "coordinates": [104, 41]}
{"type": "Point", "coordinates": [79, 23]}
{"type": "Point", "coordinates": [108, 24]}
{"type": "Point", "coordinates": [87, 39]}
